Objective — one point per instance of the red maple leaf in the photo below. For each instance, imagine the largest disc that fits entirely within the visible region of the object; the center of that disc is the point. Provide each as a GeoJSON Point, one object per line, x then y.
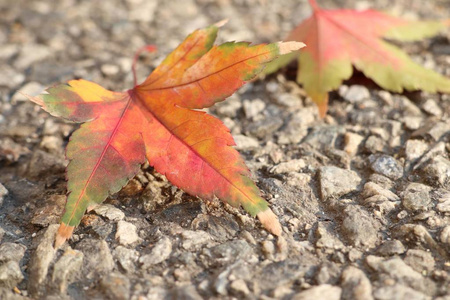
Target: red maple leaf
{"type": "Point", "coordinates": [158, 121]}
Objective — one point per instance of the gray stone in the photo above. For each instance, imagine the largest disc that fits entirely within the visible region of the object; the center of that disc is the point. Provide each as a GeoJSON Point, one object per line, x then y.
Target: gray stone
{"type": "Point", "coordinates": [437, 172]}
{"type": "Point", "coordinates": [98, 260]}
{"type": "Point", "coordinates": [352, 143]}
{"type": "Point", "coordinates": [41, 259]}
{"type": "Point", "coordinates": [288, 100]}
{"type": "Point", "coordinates": [10, 274]}
{"type": "Point", "coordinates": [3, 193]}
{"type": "Point", "coordinates": [187, 292]}
{"type": "Point", "coordinates": [386, 166]}
{"type": "Point", "coordinates": [325, 136]}
{"type": "Point", "coordinates": [324, 291]}
{"type": "Point", "coordinates": [398, 291]}
{"type": "Point", "coordinates": [373, 189]}
{"type": "Point", "coordinates": [230, 251]}
{"type": "Point", "coordinates": [12, 252]}
{"type": "Point", "coordinates": [420, 260]}
{"type": "Point", "coordinates": [194, 240]}
{"type": "Point", "coordinates": [245, 142]}
{"type": "Point", "coordinates": [10, 78]}
{"type": "Point", "coordinates": [265, 128]}
{"type": "Point", "coordinates": [431, 107]}
{"type": "Point", "coordinates": [416, 197]}
{"type": "Point", "coordinates": [329, 273]}
{"type": "Point", "coordinates": [359, 227]}
{"type": "Point", "coordinates": [32, 88]}
{"type": "Point", "coordinates": [445, 235]}
{"type": "Point", "coordinates": [444, 203]}
{"type": "Point", "coordinates": [253, 107]}
{"type": "Point", "coordinates": [126, 233]}
{"type": "Point", "coordinates": [355, 285]}
{"type": "Point", "coordinates": [389, 248]}
{"type": "Point", "coordinates": [159, 253]}
{"type": "Point", "coordinates": [354, 93]}
{"type": "Point", "coordinates": [30, 54]}
{"type": "Point", "coordinates": [336, 182]}
{"type": "Point", "coordinates": [294, 165]}
{"type": "Point", "coordinates": [414, 149]}
{"type": "Point", "coordinates": [230, 107]}
{"type": "Point", "coordinates": [66, 269]}
{"type": "Point", "coordinates": [44, 164]}
{"type": "Point", "coordinates": [50, 212]}
{"type": "Point", "coordinates": [110, 212]}
{"type": "Point", "coordinates": [115, 286]}
{"type": "Point", "coordinates": [375, 144]}
{"type": "Point", "coordinates": [110, 69]}
{"type": "Point", "coordinates": [325, 239]}
{"type": "Point", "coordinates": [239, 288]}
{"type": "Point", "coordinates": [2, 232]}
{"type": "Point", "coordinates": [126, 258]}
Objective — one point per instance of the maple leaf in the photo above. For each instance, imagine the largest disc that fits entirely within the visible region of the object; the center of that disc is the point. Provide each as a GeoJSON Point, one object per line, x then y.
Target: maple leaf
{"type": "Point", "coordinates": [157, 121]}
{"type": "Point", "coordinates": [338, 39]}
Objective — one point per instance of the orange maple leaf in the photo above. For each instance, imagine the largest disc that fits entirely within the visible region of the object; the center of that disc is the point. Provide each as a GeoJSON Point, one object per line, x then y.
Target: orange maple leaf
{"type": "Point", "coordinates": [157, 121]}
{"type": "Point", "coordinates": [338, 39]}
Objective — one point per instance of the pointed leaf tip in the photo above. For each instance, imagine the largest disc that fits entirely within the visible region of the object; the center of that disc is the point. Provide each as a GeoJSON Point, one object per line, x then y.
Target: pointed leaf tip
{"type": "Point", "coordinates": [288, 47]}
{"type": "Point", "coordinates": [270, 221]}
{"type": "Point", "coordinates": [221, 23]}
{"type": "Point", "coordinates": [63, 234]}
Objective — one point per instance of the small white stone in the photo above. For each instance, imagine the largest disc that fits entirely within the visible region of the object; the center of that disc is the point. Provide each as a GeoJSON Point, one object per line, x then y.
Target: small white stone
{"type": "Point", "coordinates": [110, 212]}
{"type": "Point", "coordinates": [126, 233]}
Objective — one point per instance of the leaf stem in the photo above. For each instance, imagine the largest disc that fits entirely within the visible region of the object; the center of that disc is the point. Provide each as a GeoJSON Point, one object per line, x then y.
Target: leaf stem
{"type": "Point", "coordinates": [314, 5]}
{"type": "Point", "coordinates": [146, 48]}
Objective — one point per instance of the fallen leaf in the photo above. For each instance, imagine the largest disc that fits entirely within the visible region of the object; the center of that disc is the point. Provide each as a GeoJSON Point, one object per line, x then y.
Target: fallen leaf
{"type": "Point", "coordinates": [158, 121]}
{"type": "Point", "coordinates": [338, 39]}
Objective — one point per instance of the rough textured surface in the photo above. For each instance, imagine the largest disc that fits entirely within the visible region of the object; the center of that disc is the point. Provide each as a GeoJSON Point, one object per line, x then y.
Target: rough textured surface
{"type": "Point", "coordinates": [363, 195]}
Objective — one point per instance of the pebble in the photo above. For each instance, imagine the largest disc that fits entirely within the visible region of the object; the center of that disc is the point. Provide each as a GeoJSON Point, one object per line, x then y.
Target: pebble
{"type": "Point", "coordinates": [419, 260]}
{"type": "Point", "coordinates": [372, 189]}
{"type": "Point", "coordinates": [3, 193]}
{"type": "Point", "coordinates": [40, 261]}
{"type": "Point", "coordinates": [253, 107]}
{"type": "Point", "coordinates": [126, 258]}
{"type": "Point", "coordinates": [239, 288]}
{"type": "Point", "coordinates": [355, 285]}
{"type": "Point", "coordinates": [52, 144]}
{"type": "Point", "coordinates": [31, 88]}
{"type": "Point", "coordinates": [288, 100]}
{"type": "Point", "coordinates": [416, 197]}
{"type": "Point", "coordinates": [414, 149]}
{"type": "Point", "coordinates": [42, 164]}
{"type": "Point", "coordinates": [160, 252]}
{"type": "Point", "coordinates": [375, 144]}
{"type": "Point", "coordinates": [398, 291]}
{"type": "Point", "coordinates": [431, 107]}
{"type": "Point", "coordinates": [30, 54]}
{"type": "Point", "coordinates": [244, 142]}
{"type": "Point", "coordinates": [323, 291]}
{"type": "Point", "coordinates": [110, 69]}
{"type": "Point", "coordinates": [324, 136]}
{"type": "Point", "coordinates": [110, 212]}
{"type": "Point", "coordinates": [444, 203]}
{"type": "Point", "coordinates": [445, 235]}
{"type": "Point", "coordinates": [98, 260]}
{"type": "Point", "coordinates": [336, 182]}
{"type": "Point", "coordinates": [12, 252]}
{"type": "Point", "coordinates": [386, 166]}
{"type": "Point", "coordinates": [115, 286]}
{"type": "Point", "coordinates": [294, 165]}
{"type": "Point", "coordinates": [326, 239]}
{"type": "Point", "coordinates": [194, 240]}
{"type": "Point", "coordinates": [67, 269]}
{"type": "Point", "coordinates": [230, 107]}
{"type": "Point", "coordinates": [359, 227]}
{"type": "Point", "coordinates": [354, 94]}
{"type": "Point", "coordinates": [352, 142]}
{"type": "Point", "coordinates": [437, 171]}
{"type": "Point", "coordinates": [51, 212]}
{"type": "Point", "coordinates": [126, 233]}
{"type": "Point", "coordinates": [265, 127]}
{"type": "Point", "coordinates": [389, 248]}
{"type": "Point", "coordinates": [10, 274]}
{"type": "Point", "coordinates": [10, 77]}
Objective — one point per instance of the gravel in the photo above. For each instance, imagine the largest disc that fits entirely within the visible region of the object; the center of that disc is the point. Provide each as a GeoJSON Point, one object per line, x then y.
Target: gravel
{"type": "Point", "coordinates": [362, 196]}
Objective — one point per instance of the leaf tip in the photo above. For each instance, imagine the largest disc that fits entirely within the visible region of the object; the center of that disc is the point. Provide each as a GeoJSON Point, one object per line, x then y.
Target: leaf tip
{"type": "Point", "coordinates": [36, 100]}
{"type": "Point", "coordinates": [63, 234]}
{"type": "Point", "coordinates": [221, 23]}
{"type": "Point", "coordinates": [288, 47]}
{"type": "Point", "coordinates": [270, 221]}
